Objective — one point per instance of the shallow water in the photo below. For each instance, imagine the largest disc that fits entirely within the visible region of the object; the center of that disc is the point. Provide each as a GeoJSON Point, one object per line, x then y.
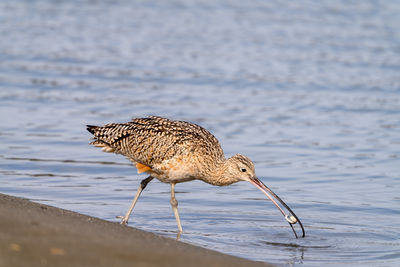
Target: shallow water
{"type": "Point", "coordinates": [310, 91]}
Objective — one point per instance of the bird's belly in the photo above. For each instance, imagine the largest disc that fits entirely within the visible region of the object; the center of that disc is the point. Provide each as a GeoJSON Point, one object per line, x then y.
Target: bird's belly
{"type": "Point", "coordinates": [175, 171]}
{"type": "Point", "coordinates": [174, 180]}
{"type": "Point", "coordinates": [174, 176]}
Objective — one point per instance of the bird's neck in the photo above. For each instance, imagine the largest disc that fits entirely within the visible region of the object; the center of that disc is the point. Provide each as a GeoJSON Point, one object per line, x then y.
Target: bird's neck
{"type": "Point", "coordinates": [219, 174]}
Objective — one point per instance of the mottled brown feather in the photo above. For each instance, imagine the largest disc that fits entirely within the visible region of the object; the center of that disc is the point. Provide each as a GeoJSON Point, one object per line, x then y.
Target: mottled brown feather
{"type": "Point", "coordinates": [153, 141]}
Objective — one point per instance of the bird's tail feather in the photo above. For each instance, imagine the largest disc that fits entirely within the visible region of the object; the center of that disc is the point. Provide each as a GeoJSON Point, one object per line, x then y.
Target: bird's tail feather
{"type": "Point", "coordinates": [91, 128]}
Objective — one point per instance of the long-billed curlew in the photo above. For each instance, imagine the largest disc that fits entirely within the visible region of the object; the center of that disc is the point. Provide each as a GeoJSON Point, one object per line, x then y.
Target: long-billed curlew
{"type": "Point", "coordinates": [175, 152]}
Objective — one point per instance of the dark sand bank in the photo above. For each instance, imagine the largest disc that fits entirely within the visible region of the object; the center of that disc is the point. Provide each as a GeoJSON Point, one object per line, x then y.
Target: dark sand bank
{"type": "Point", "coordinates": [33, 234]}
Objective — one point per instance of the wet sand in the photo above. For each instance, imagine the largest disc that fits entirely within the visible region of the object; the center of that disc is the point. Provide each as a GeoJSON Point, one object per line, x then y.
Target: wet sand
{"type": "Point", "coordinates": [33, 234]}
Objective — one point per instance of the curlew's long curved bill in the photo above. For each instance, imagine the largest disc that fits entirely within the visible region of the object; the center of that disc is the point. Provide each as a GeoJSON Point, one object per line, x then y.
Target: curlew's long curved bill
{"type": "Point", "coordinates": [292, 218]}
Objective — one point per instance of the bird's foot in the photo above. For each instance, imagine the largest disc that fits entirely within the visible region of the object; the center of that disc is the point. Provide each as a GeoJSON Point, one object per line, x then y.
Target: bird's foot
{"type": "Point", "coordinates": [178, 236]}
{"type": "Point", "coordinates": [124, 220]}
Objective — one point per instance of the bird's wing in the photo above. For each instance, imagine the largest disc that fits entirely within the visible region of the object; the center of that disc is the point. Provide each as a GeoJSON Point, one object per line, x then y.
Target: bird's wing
{"type": "Point", "coordinates": [151, 140]}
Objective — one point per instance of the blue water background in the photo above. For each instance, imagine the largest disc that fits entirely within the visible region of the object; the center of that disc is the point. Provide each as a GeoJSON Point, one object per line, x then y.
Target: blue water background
{"type": "Point", "coordinates": [310, 90]}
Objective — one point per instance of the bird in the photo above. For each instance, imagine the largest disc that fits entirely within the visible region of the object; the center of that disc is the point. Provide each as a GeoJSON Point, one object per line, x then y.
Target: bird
{"type": "Point", "coordinates": [173, 152]}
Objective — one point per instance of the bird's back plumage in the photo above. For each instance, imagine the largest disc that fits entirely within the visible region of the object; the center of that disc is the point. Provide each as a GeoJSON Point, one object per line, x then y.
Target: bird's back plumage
{"type": "Point", "coordinates": [155, 141]}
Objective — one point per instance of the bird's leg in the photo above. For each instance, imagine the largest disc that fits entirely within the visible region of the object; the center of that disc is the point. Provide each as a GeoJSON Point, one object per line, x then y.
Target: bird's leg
{"type": "Point", "coordinates": [174, 204]}
{"type": "Point", "coordinates": [142, 186]}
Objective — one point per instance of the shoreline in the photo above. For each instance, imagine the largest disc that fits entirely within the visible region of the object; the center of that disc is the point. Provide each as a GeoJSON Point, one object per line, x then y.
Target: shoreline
{"type": "Point", "coordinates": [33, 234]}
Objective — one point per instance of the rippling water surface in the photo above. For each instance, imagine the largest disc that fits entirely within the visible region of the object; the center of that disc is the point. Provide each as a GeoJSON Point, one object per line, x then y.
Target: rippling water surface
{"type": "Point", "coordinates": [309, 90]}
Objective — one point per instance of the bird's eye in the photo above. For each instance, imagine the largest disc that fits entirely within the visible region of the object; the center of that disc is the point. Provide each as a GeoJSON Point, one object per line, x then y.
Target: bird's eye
{"type": "Point", "coordinates": [243, 170]}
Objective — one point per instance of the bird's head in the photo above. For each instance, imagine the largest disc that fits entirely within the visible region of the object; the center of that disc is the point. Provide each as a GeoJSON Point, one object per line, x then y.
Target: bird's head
{"type": "Point", "coordinates": [240, 168]}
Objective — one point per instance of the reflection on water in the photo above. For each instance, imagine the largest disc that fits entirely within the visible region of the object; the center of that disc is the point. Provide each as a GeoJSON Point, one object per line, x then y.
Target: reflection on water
{"type": "Point", "coordinates": [310, 92]}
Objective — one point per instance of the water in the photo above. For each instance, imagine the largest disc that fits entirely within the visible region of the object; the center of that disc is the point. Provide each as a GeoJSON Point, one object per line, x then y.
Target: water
{"type": "Point", "coordinates": [309, 90]}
